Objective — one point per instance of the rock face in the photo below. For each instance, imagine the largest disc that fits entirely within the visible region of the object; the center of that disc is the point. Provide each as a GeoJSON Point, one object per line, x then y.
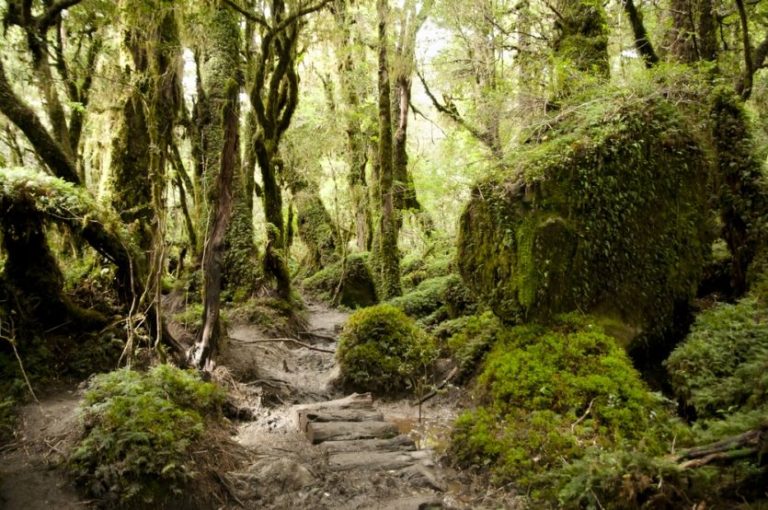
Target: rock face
{"type": "Point", "coordinates": [607, 215]}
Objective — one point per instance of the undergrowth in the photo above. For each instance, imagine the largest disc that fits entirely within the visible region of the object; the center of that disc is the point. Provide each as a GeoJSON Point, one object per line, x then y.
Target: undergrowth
{"type": "Point", "coordinates": [139, 430]}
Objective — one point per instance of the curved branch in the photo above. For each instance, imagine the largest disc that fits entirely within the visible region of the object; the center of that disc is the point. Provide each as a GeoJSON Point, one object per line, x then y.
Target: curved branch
{"type": "Point", "coordinates": [49, 150]}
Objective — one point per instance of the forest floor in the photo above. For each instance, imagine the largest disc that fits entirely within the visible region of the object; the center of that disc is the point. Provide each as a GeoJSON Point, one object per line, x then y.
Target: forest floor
{"type": "Point", "coordinates": [273, 380]}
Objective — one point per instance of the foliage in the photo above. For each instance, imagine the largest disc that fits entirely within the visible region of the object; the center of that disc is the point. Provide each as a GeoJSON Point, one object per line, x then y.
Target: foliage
{"type": "Point", "coordinates": [546, 393]}
{"type": "Point", "coordinates": [721, 366]}
{"type": "Point", "coordinates": [471, 337]}
{"type": "Point", "coordinates": [383, 350]}
{"type": "Point", "coordinates": [139, 431]}
{"type": "Point", "coordinates": [354, 277]}
{"type": "Point", "coordinates": [607, 212]}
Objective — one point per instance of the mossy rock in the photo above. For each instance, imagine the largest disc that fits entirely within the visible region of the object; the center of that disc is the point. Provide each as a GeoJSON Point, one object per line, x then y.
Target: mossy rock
{"type": "Point", "coordinates": [609, 214]}
{"type": "Point", "coordinates": [383, 350]}
{"type": "Point", "coordinates": [446, 296]}
{"type": "Point", "coordinates": [544, 392]}
{"type": "Point", "coordinates": [357, 288]}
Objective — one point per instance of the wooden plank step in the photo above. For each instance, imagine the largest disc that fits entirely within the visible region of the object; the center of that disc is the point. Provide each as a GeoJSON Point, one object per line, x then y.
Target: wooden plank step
{"type": "Point", "coordinates": [396, 444]}
{"type": "Point", "coordinates": [384, 461]}
{"type": "Point", "coordinates": [307, 416]}
{"type": "Point", "coordinates": [318, 432]}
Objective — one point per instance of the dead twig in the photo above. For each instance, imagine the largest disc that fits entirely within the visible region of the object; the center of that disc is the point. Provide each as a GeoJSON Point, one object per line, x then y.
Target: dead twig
{"type": "Point", "coordinates": [439, 387]}
{"type": "Point", "coordinates": [583, 416]}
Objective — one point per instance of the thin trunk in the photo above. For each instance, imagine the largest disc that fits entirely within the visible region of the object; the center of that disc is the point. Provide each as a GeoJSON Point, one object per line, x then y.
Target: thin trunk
{"type": "Point", "coordinates": [386, 249]}
{"type": "Point", "coordinates": [642, 42]}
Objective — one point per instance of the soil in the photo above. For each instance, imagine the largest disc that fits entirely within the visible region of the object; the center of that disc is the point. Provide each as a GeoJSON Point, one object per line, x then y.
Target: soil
{"type": "Point", "coordinates": [268, 379]}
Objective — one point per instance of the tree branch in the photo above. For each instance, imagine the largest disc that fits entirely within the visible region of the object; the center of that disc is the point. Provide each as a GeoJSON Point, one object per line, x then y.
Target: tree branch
{"type": "Point", "coordinates": [49, 150]}
{"type": "Point", "coordinates": [749, 70]}
{"type": "Point", "coordinates": [48, 18]}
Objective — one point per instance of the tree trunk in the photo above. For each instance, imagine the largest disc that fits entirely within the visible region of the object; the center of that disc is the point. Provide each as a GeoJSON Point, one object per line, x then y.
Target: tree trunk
{"type": "Point", "coordinates": [387, 255]}
{"type": "Point", "coordinates": [220, 75]}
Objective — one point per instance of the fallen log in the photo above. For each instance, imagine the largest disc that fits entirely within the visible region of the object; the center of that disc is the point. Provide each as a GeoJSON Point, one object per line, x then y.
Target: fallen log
{"type": "Point", "coordinates": [380, 461]}
{"type": "Point", "coordinates": [308, 416]}
{"type": "Point", "coordinates": [344, 431]}
{"type": "Point", "coordinates": [396, 444]}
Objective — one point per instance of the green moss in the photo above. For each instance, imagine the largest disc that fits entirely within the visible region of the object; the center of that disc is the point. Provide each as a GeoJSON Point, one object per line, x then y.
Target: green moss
{"type": "Point", "coordinates": [546, 392]}
{"type": "Point", "coordinates": [720, 368]}
{"type": "Point", "coordinates": [470, 338]}
{"type": "Point", "coordinates": [357, 288]}
{"type": "Point", "coordinates": [382, 350]}
{"type": "Point", "coordinates": [139, 433]}
{"type": "Point", "coordinates": [316, 228]}
{"type": "Point", "coordinates": [608, 214]}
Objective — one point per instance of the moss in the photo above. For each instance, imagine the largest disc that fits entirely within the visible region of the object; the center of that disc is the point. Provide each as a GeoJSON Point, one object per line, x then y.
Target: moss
{"type": "Point", "coordinates": [546, 392]}
{"type": "Point", "coordinates": [316, 228]}
{"type": "Point", "coordinates": [720, 368]}
{"type": "Point", "coordinates": [140, 430]}
{"type": "Point", "coordinates": [383, 350]}
{"type": "Point", "coordinates": [357, 288]}
{"type": "Point", "coordinates": [740, 184]}
{"type": "Point", "coordinates": [608, 214]}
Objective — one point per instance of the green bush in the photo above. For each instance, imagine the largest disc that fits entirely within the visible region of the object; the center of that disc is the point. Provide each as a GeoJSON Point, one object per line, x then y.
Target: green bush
{"type": "Point", "coordinates": [721, 366]}
{"type": "Point", "coordinates": [139, 431]}
{"type": "Point", "coordinates": [383, 350]}
{"type": "Point", "coordinates": [435, 299]}
{"type": "Point", "coordinates": [546, 393]}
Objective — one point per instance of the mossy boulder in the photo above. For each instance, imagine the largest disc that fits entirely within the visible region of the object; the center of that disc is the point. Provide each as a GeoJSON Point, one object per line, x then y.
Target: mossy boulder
{"type": "Point", "coordinates": [436, 299]}
{"type": "Point", "coordinates": [607, 214]}
{"type": "Point", "coordinates": [383, 350]}
{"type": "Point", "coordinates": [357, 288]}
{"type": "Point", "coordinates": [546, 392]}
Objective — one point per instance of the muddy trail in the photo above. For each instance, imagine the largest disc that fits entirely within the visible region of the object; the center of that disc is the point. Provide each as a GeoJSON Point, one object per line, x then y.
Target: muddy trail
{"type": "Point", "coordinates": [306, 444]}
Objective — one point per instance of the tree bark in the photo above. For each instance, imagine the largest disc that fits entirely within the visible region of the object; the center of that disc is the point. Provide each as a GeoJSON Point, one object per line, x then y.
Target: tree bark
{"type": "Point", "coordinates": [220, 80]}
{"type": "Point", "coordinates": [642, 42]}
{"type": "Point", "coordinates": [387, 256]}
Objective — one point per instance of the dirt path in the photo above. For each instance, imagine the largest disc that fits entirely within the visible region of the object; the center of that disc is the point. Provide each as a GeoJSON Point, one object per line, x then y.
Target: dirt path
{"type": "Point", "coordinates": [289, 472]}
{"type": "Point", "coordinates": [28, 479]}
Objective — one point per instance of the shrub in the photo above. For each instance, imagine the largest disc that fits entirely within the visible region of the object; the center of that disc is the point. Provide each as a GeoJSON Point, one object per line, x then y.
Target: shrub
{"type": "Point", "coordinates": [383, 350]}
{"type": "Point", "coordinates": [471, 337]}
{"type": "Point", "coordinates": [721, 366]}
{"type": "Point", "coordinates": [545, 393]}
{"type": "Point", "coordinates": [139, 432]}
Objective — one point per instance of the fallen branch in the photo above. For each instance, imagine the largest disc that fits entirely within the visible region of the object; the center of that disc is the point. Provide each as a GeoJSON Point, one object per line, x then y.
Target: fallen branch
{"type": "Point", "coordinates": [288, 340]}
{"type": "Point", "coordinates": [439, 387]}
{"type": "Point", "coordinates": [317, 335]}
{"type": "Point", "coordinates": [747, 444]}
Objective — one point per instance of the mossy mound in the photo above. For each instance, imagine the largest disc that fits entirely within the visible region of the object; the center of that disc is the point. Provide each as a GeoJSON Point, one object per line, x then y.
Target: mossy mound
{"type": "Point", "coordinates": [545, 393]}
{"type": "Point", "coordinates": [720, 368]}
{"type": "Point", "coordinates": [607, 215]}
{"type": "Point", "coordinates": [350, 284]}
{"type": "Point", "coordinates": [140, 431]}
{"type": "Point", "coordinates": [436, 299]}
{"type": "Point", "coordinates": [383, 350]}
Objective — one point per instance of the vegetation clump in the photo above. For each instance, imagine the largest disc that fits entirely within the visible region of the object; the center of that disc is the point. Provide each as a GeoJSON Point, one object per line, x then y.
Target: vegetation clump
{"type": "Point", "coordinates": [347, 283]}
{"type": "Point", "coordinates": [721, 366]}
{"type": "Point", "coordinates": [548, 392]}
{"type": "Point", "coordinates": [607, 215]}
{"type": "Point", "coordinates": [383, 350]}
{"type": "Point", "coordinates": [139, 433]}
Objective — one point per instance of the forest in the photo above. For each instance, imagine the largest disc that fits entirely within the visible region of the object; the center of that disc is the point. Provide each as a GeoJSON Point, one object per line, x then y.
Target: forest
{"type": "Point", "coordinates": [384, 254]}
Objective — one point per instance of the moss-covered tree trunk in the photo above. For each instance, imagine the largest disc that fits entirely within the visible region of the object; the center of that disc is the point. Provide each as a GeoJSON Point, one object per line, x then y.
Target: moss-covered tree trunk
{"type": "Point", "coordinates": [220, 157]}
{"type": "Point", "coordinates": [386, 252]}
{"type": "Point", "coordinates": [404, 64]}
{"type": "Point", "coordinates": [274, 95]}
{"type": "Point", "coordinates": [742, 191]}
{"type": "Point", "coordinates": [348, 49]}
{"type": "Point", "coordinates": [581, 44]}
